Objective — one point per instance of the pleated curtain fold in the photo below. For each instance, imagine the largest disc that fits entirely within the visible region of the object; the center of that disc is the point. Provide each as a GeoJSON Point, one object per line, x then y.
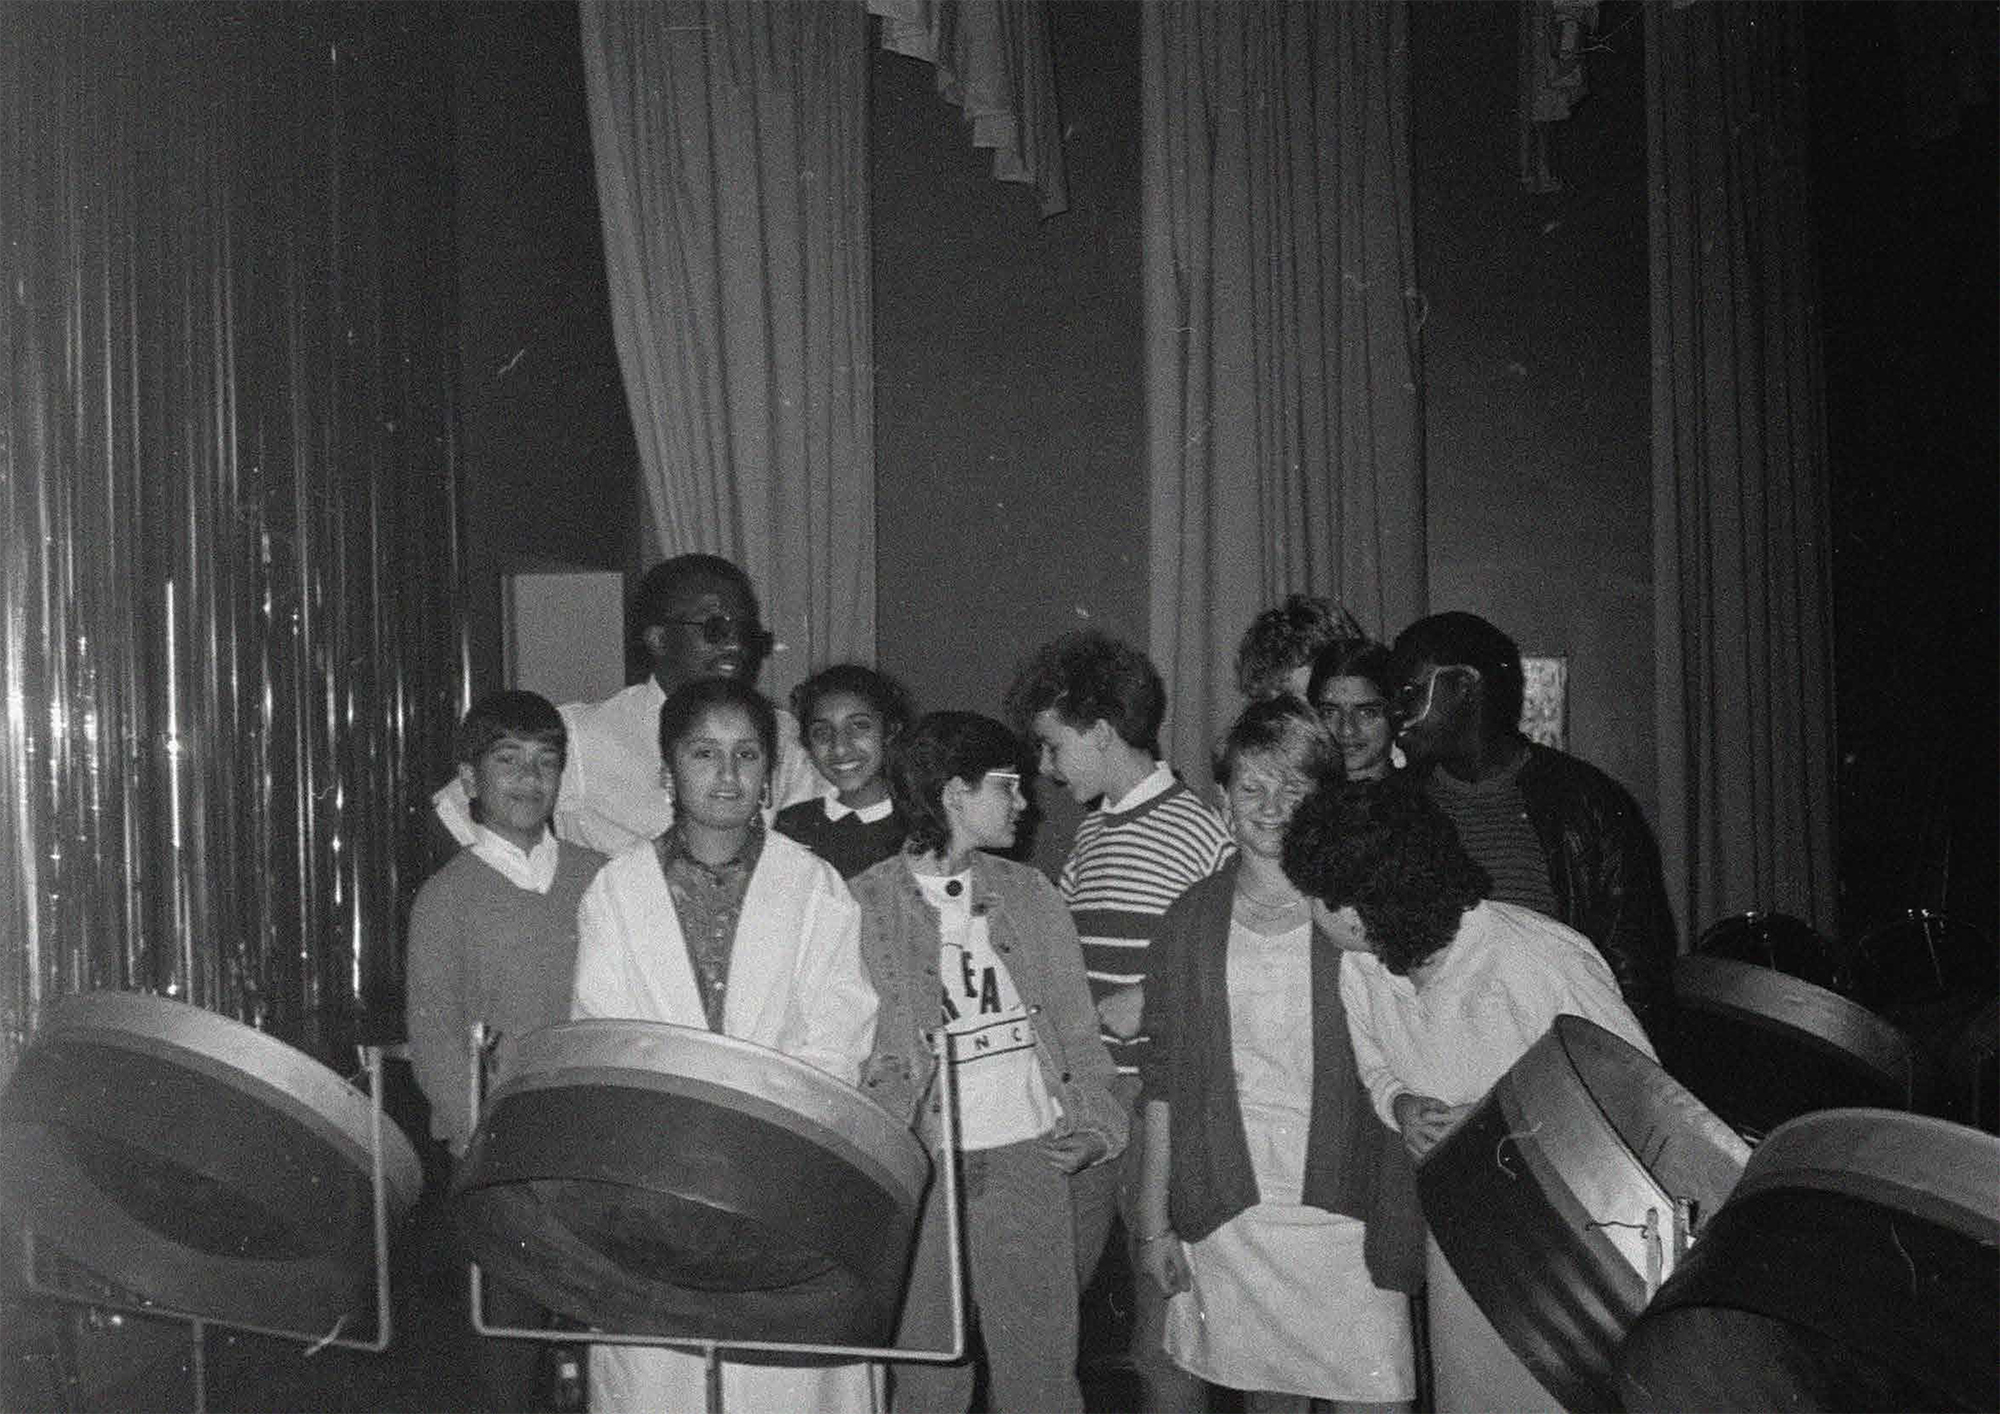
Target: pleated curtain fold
{"type": "Point", "coordinates": [731, 151]}
{"type": "Point", "coordinates": [1284, 423]}
{"type": "Point", "coordinates": [1740, 505]}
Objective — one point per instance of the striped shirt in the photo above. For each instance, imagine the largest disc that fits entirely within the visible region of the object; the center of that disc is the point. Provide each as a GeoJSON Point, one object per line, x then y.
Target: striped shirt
{"type": "Point", "coordinates": [1493, 825]}
{"type": "Point", "coordinates": [1128, 863]}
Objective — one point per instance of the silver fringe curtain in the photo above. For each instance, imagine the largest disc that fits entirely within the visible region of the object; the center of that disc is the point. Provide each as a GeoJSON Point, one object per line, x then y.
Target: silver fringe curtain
{"type": "Point", "coordinates": [229, 650]}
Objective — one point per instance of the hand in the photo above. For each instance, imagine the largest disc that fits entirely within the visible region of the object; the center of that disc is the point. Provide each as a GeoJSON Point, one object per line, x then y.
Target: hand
{"type": "Point", "coordinates": [1122, 1010]}
{"type": "Point", "coordinates": [1075, 1151]}
{"type": "Point", "coordinates": [1425, 1120]}
{"type": "Point", "coordinates": [1165, 1263]}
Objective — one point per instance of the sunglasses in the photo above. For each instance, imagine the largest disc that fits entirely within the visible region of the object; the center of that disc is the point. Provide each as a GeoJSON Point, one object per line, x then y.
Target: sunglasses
{"type": "Point", "coordinates": [1413, 700]}
{"type": "Point", "coordinates": [726, 628]}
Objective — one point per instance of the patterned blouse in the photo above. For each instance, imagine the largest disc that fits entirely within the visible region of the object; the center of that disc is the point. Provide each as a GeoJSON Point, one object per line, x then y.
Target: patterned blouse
{"type": "Point", "coordinates": [708, 901]}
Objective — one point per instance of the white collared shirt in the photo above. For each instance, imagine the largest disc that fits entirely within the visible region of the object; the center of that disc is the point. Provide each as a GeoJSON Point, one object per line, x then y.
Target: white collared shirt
{"type": "Point", "coordinates": [530, 869]}
{"type": "Point", "coordinates": [867, 814]}
{"type": "Point", "coordinates": [1155, 783]}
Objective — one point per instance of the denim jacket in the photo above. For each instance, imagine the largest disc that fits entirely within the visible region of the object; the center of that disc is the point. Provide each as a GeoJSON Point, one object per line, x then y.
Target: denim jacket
{"type": "Point", "coordinates": [1031, 930]}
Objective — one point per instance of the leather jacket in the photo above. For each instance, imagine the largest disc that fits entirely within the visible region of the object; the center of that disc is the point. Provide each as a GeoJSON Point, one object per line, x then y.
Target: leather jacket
{"type": "Point", "coordinates": [1031, 930]}
{"type": "Point", "coordinates": [1605, 870]}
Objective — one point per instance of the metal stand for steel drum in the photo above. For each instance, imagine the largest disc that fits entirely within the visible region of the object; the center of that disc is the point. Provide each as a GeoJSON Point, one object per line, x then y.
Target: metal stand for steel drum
{"type": "Point", "coordinates": [198, 1324]}
{"type": "Point", "coordinates": [712, 1351]}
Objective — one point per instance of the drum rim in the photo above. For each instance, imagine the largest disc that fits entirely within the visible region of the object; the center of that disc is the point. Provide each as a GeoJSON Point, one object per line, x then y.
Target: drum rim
{"type": "Point", "coordinates": [1838, 1150]}
{"type": "Point", "coordinates": [605, 1044]}
{"type": "Point", "coordinates": [284, 1076]}
{"type": "Point", "coordinates": [1779, 997]}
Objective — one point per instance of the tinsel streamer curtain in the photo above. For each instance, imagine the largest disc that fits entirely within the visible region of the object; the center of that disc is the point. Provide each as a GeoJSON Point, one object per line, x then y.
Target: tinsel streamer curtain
{"type": "Point", "coordinates": [1740, 498]}
{"type": "Point", "coordinates": [1284, 426]}
{"type": "Point", "coordinates": [229, 649]}
{"type": "Point", "coordinates": [730, 142]}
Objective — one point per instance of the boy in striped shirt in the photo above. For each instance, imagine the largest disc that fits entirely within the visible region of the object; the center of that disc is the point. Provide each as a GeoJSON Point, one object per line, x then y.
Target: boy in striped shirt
{"type": "Point", "coordinates": [1093, 706]}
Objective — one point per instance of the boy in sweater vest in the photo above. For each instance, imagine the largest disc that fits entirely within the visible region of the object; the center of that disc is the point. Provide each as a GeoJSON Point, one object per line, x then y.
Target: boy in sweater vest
{"type": "Point", "coordinates": [1093, 705]}
{"type": "Point", "coordinates": [493, 940]}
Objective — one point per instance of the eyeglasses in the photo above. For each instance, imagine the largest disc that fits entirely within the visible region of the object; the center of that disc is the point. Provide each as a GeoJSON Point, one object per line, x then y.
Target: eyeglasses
{"type": "Point", "coordinates": [724, 628]}
{"type": "Point", "coordinates": [1010, 779]}
{"type": "Point", "coordinates": [1412, 701]}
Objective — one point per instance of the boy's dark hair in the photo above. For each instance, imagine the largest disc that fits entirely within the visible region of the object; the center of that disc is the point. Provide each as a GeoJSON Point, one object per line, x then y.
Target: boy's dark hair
{"type": "Point", "coordinates": [680, 712]}
{"type": "Point", "coordinates": [670, 577]}
{"type": "Point", "coordinates": [1287, 637]}
{"type": "Point", "coordinates": [527, 715]}
{"type": "Point", "coordinates": [1279, 726]}
{"type": "Point", "coordinates": [1350, 658]}
{"type": "Point", "coordinates": [1086, 676]}
{"type": "Point", "coordinates": [944, 746]}
{"type": "Point", "coordinates": [883, 694]}
{"type": "Point", "coordinates": [1454, 638]}
{"type": "Point", "coordinates": [1393, 855]}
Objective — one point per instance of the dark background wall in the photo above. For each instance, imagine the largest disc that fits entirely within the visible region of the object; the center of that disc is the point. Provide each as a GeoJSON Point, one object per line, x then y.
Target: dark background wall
{"type": "Point", "coordinates": [1536, 391]}
{"type": "Point", "coordinates": [1010, 490]}
{"type": "Point", "coordinates": [550, 466]}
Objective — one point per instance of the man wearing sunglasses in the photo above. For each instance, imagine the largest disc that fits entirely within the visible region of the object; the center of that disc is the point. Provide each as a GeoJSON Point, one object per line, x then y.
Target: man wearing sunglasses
{"type": "Point", "coordinates": [692, 617]}
{"type": "Point", "coordinates": [1557, 834]}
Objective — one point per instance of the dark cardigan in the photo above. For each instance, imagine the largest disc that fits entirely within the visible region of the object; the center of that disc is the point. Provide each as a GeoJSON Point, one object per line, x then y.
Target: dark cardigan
{"type": "Point", "coordinates": [1355, 1165]}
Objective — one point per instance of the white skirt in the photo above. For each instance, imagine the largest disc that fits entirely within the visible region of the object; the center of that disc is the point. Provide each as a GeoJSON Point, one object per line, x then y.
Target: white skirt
{"type": "Point", "coordinates": [1280, 1301]}
{"type": "Point", "coordinates": [648, 1379]}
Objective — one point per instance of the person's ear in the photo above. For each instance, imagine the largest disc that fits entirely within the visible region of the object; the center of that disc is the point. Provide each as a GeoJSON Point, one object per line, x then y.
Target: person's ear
{"type": "Point", "coordinates": [654, 637]}
{"type": "Point", "coordinates": [468, 778]}
{"type": "Point", "coordinates": [1102, 734]}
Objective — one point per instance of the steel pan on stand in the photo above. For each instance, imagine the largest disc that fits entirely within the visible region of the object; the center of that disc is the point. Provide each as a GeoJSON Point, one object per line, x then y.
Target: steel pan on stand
{"type": "Point", "coordinates": [188, 1166]}
{"type": "Point", "coordinates": [1856, 1266]}
{"type": "Point", "coordinates": [656, 1180]}
{"type": "Point", "coordinates": [1565, 1197]}
{"type": "Point", "coordinates": [1777, 941]}
{"type": "Point", "coordinates": [1759, 1047]}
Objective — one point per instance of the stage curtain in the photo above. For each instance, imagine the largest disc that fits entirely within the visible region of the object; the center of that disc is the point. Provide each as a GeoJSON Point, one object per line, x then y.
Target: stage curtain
{"type": "Point", "coordinates": [230, 656]}
{"type": "Point", "coordinates": [1741, 551]}
{"type": "Point", "coordinates": [1284, 425]}
{"type": "Point", "coordinates": [730, 144]}
{"type": "Point", "coordinates": [993, 60]}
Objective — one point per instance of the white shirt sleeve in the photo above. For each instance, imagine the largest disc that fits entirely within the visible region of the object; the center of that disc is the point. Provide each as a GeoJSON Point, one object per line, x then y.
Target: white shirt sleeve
{"type": "Point", "coordinates": [834, 1001]}
{"type": "Point", "coordinates": [1369, 1060]}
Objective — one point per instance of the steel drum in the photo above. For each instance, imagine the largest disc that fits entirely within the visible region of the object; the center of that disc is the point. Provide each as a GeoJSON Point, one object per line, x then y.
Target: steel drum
{"type": "Point", "coordinates": [1857, 1266]}
{"type": "Point", "coordinates": [1922, 960]}
{"type": "Point", "coordinates": [1759, 1047]}
{"type": "Point", "coordinates": [1777, 941]}
{"type": "Point", "coordinates": [1564, 1198]}
{"type": "Point", "coordinates": [653, 1179]}
{"type": "Point", "coordinates": [197, 1163]}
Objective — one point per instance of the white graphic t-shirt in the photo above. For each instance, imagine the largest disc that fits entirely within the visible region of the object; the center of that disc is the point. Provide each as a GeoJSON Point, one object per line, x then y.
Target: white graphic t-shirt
{"type": "Point", "coordinates": [1002, 1098]}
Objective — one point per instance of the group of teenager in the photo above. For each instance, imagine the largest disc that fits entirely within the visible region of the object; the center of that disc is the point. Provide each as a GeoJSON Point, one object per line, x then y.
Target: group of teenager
{"type": "Point", "coordinates": [1226, 1031]}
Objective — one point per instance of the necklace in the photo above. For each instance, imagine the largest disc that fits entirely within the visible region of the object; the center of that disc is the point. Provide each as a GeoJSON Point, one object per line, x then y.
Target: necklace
{"type": "Point", "coordinates": [1264, 905]}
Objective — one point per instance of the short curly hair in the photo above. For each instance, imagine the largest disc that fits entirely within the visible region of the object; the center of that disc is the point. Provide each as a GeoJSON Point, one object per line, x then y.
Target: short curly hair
{"type": "Point", "coordinates": [1283, 639]}
{"type": "Point", "coordinates": [944, 746]}
{"type": "Point", "coordinates": [1449, 639]}
{"type": "Point", "coordinates": [1086, 676]}
{"type": "Point", "coordinates": [1395, 857]}
{"type": "Point", "coordinates": [884, 695]}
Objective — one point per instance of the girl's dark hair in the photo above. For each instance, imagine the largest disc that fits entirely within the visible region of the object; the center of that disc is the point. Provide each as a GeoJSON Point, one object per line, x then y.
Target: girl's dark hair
{"type": "Point", "coordinates": [680, 712]}
{"type": "Point", "coordinates": [1350, 658]}
{"type": "Point", "coordinates": [883, 694]}
{"type": "Point", "coordinates": [944, 746]}
{"type": "Point", "coordinates": [1396, 857]}
{"type": "Point", "coordinates": [527, 715]}
{"type": "Point", "coordinates": [1279, 726]}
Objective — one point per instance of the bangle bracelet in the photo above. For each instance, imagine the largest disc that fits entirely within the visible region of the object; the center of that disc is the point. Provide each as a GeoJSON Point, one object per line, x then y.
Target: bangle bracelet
{"type": "Point", "coordinates": [1156, 1237]}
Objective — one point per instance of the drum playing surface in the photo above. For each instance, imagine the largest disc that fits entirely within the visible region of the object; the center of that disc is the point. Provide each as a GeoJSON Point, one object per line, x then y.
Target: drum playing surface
{"type": "Point", "coordinates": [197, 1163]}
{"type": "Point", "coordinates": [654, 1179]}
